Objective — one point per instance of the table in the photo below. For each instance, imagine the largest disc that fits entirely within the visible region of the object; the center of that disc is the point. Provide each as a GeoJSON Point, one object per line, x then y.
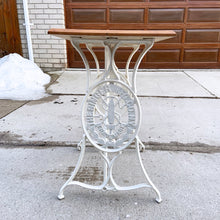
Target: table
{"type": "Point", "coordinates": [111, 112]}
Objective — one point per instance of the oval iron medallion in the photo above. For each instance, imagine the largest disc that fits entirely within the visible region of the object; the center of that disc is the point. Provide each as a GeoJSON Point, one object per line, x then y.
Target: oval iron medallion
{"type": "Point", "coordinates": [111, 116]}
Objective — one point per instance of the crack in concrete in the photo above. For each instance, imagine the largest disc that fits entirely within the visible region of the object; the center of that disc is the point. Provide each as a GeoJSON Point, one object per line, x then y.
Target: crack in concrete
{"type": "Point", "coordinates": [171, 146]}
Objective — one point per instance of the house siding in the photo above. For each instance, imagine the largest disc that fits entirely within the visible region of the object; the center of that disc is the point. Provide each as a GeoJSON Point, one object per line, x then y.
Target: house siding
{"type": "Point", "coordinates": [49, 51]}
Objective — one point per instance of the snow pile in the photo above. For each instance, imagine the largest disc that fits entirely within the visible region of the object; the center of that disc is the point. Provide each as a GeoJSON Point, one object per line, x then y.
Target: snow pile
{"type": "Point", "coordinates": [21, 79]}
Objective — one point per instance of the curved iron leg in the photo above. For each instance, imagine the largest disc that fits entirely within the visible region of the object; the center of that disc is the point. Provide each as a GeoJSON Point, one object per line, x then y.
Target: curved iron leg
{"type": "Point", "coordinates": [158, 199]}
{"type": "Point", "coordinates": [135, 49]}
{"type": "Point", "coordinates": [61, 195]}
{"type": "Point", "coordinates": [148, 46]}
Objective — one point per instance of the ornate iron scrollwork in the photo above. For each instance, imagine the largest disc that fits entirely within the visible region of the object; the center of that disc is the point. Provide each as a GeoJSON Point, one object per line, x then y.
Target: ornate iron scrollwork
{"type": "Point", "coordinates": [111, 112]}
{"type": "Point", "coordinates": [111, 116]}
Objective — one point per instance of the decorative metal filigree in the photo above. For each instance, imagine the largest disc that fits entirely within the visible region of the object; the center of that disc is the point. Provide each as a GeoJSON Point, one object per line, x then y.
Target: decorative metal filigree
{"type": "Point", "coordinates": [111, 112]}
{"type": "Point", "coordinates": [111, 116]}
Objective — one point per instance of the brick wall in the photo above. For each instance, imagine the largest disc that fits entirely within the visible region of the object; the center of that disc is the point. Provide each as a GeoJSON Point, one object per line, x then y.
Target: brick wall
{"type": "Point", "coordinates": [49, 51]}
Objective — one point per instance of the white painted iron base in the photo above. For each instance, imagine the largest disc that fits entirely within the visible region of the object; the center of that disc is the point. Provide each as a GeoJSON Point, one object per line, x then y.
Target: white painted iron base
{"type": "Point", "coordinates": [108, 179]}
{"type": "Point", "coordinates": [110, 136]}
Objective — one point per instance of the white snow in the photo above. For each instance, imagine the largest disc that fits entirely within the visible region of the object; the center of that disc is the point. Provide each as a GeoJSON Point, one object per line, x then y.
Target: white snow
{"type": "Point", "coordinates": [21, 79]}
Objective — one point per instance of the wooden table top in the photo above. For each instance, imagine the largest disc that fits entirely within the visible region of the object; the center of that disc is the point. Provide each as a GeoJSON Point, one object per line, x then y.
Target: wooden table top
{"type": "Point", "coordinates": [120, 34]}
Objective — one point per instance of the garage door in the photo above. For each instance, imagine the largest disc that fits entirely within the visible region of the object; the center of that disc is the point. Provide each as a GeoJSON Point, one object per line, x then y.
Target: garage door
{"type": "Point", "coordinates": [197, 24]}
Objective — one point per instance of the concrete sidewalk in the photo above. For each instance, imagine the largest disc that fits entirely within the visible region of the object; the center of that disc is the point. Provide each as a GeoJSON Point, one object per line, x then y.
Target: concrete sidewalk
{"type": "Point", "coordinates": [31, 178]}
{"type": "Point", "coordinates": [181, 111]}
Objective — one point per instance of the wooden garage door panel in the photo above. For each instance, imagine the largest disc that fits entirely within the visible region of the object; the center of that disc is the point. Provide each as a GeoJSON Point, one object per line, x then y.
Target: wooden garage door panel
{"type": "Point", "coordinates": [166, 15]}
{"type": "Point", "coordinates": [199, 55]}
{"type": "Point", "coordinates": [202, 36]}
{"type": "Point", "coordinates": [127, 15]}
{"type": "Point", "coordinates": [203, 0]}
{"type": "Point", "coordinates": [197, 24]}
{"type": "Point", "coordinates": [163, 56]}
{"type": "Point", "coordinates": [88, 1]}
{"type": "Point", "coordinates": [204, 14]}
{"type": "Point", "coordinates": [127, 0]}
{"type": "Point", "coordinates": [89, 15]}
{"type": "Point", "coordinates": [167, 0]}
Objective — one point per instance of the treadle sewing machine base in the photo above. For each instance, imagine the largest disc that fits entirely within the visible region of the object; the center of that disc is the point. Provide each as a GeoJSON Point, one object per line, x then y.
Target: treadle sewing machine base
{"type": "Point", "coordinates": [111, 112]}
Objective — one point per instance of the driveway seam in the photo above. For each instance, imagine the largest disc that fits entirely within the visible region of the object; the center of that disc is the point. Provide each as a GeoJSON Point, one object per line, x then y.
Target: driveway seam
{"type": "Point", "coordinates": [14, 110]}
{"type": "Point", "coordinates": [200, 84]}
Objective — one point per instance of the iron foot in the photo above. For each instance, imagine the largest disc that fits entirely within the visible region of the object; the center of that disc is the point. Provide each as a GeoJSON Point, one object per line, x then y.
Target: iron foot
{"type": "Point", "coordinates": [60, 196]}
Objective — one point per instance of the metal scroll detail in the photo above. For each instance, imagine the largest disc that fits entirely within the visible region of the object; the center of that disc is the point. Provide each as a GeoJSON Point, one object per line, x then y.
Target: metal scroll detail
{"type": "Point", "coordinates": [111, 113]}
{"type": "Point", "coordinates": [111, 116]}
